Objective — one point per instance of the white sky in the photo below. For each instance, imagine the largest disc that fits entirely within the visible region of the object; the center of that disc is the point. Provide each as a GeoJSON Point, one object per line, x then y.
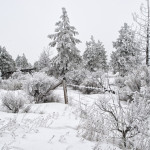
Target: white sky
{"type": "Point", "coordinates": [25, 24]}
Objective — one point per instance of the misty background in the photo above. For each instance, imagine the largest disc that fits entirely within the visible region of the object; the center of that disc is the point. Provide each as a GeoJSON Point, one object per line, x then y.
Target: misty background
{"type": "Point", "coordinates": [25, 24]}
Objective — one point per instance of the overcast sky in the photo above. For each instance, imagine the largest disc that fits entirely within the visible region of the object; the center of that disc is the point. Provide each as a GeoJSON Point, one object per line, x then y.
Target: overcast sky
{"type": "Point", "coordinates": [25, 24]}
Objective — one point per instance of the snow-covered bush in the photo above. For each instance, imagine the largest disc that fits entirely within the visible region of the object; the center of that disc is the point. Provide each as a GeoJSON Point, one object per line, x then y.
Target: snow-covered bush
{"type": "Point", "coordinates": [133, 81]}
{"type": "Point", "coordinates": [76, 77]}
{"type": "Point", "coordinates": [117, 122]}
{"type": "Point", "coordinates": [140, 143]}
{"type": "Point", "coordinates": [22, 77]}
{"type": "Point", "coordinates": [94, 80]}
{"type": "Point", "coordinates": [124, 92]}
{"type": "Point", "coordinates": [92, 126]}
{"type": "Point", "coordinates": [119, 81]}
{"type": "Point", "coordinates": [140, 80]}
{"type": "Point", "coordinates": [83, 79]}
{"type": "Point", "coordinates": [89, 85]}
{"type": "Point", "coordinates": [38, 86]}
{"type": "Point", "coordinates": [11, 84]}
{"type": "Point", "coordinates": [17, 74]}
{"type": "Point", "coordinates": [52, 98]}
{"type": "Point", "coordinates": [12, 102]}
{"type": "Point", "coordinates": [136, 81]}
{"type": "Point", "coordinates": [15, 82]}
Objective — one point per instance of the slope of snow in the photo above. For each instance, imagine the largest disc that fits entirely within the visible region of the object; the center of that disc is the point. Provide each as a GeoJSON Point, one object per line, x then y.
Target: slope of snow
{"type": "Point", "coordinates": [49, 126]}
{"type": "Point", "coordinates": [55, 128]}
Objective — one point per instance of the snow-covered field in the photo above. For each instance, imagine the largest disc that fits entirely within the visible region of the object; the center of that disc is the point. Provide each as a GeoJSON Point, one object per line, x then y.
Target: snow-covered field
{"type": "Point", "coordinates": [49, 126]}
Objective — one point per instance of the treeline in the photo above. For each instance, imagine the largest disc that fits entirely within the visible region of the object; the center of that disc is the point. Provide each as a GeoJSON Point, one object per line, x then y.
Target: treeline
{"type": "Point", "coordinates": [128, 52]}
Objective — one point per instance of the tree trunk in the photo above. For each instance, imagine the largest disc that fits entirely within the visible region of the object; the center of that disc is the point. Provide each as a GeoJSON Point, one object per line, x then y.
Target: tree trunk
{"type": "Point", "coordinates": [147, 36]}
{"type": "Point", "coordinates": [65, 91]}
{"type": "Point", "coordinates": [124, 140]}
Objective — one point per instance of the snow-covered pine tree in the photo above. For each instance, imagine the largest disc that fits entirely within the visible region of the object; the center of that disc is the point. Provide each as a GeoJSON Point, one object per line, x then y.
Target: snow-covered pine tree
{"type": "Point", "coordinates": [127, 55]}
{"type": "Point", "coordinates": [94, 56]}
{"type": "Point", "coordinates": [65, 42]}
{"type": "Point", "coordinates": [36, 65]}
{"type": "Point", "coordinates": [6, 61]}
{"type": "Point", "coordinates": [25, 63]}
{"type": "Point", "coordinates": [18, 62]}
{"type": "Point", "coordinates": [44, 60]}
{"type": "Point", "coordinates": [22, 62]}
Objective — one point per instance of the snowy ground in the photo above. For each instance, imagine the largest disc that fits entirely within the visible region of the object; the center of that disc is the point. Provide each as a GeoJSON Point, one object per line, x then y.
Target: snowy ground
{"type": "Point", "coordinates": [50, 126]}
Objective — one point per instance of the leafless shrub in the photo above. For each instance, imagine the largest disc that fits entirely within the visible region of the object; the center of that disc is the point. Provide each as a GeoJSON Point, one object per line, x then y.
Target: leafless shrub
{"type": "Point", "coordinates": [110, 119]}
{"type": "Point", "coordinates": [12, 102]}
{"type": "Point", "coordinates": [11, 84]}
{"type": "Point", "coordinates": [38, 86]}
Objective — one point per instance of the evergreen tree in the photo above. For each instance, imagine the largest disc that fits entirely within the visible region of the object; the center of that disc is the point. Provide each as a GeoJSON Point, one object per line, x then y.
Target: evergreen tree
{"type": "Point", "coordinates": [22, 62]}
{"type": "Point", "coordinates": [44, 60]}
{"type": "Point", "coordinates": [65, 42]}
{"type": "Point", "coordinates": [25, 63]}
{"type": "Point", "coordinates": [127, 54]}
{"type": "Point", "coordinates": [18, 62]}
{"type": "Point", "coordinates": [94, 56]}
{"type": "Point", "coordinates": [6, 61]}
{"type": "Point", "coordinates": [36, 65]}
